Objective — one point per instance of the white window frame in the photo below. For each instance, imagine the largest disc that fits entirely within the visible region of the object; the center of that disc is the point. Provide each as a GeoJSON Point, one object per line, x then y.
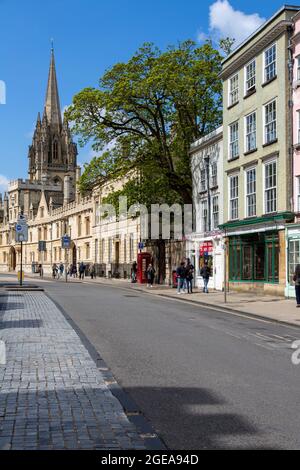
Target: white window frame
{"type": "Point", "coordinates": [233, 144]}
{"type": "Point", "coordinates": [271, 188]}
{"type": "Point", "coordinates": [251, 79]}
{"type": "Point", "coordinates": [248, 195]}
{"type": "Point", "coordinates": [233, 92]}
{"type": "Point", "coordinates": [214, 174]}
{"type": "Point", "coordinates": [265, 79]}
{"type": "Point", "coordinates": [204, 215]}
{"type": "Point", "coordinates": [298, 68]}
{"type": "Point", "coordinates": [203, 181]}
{"type": "Point", "coordinates": [253, 132]}
{"type": "Point", "coordinates": [265, 124]}
{"type": "Point", "coordinates": [298, 193]}
{"type": "Point", "coordinates": [215, 214]}
{"type": "Point", "coordinates": [236, 198]}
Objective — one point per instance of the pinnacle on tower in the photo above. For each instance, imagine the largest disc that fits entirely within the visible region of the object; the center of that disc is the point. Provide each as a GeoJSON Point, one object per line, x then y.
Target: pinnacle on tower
{"type": "Point", "coordinates": [52, 104]}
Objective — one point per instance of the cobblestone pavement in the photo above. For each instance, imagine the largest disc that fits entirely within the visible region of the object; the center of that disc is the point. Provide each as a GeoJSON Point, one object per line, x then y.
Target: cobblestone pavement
{"type": "Point", "coordinates": [52, 396]}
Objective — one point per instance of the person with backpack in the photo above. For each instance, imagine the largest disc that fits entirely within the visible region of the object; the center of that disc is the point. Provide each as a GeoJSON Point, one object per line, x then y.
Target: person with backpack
{"type": "Point", "coordinates": [205, 273]}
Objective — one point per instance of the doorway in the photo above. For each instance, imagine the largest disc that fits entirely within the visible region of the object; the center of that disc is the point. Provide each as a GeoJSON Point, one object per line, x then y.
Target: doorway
{"type": "Point", "coordinates": [12, 259]}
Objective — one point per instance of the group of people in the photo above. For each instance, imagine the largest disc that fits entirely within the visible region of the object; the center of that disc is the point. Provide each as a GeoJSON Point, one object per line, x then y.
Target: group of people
{"type": "Point", "coordinates": [185, 276]}
{"type": "Point", "coordinates": [58, 270]}
{"type": "Point", "coordinates": [150, 273]}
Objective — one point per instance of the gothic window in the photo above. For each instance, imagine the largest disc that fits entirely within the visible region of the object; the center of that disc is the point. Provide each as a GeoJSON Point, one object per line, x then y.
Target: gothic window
{"type": "Point", "coordinates": [55, 150]}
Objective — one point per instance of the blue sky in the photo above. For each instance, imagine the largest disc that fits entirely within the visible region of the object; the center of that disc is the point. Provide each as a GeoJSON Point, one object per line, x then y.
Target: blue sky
{"type": "Point", "coordinates": [89, 37]}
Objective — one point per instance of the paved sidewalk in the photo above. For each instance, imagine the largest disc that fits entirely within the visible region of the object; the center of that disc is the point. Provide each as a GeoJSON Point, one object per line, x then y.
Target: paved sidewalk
{"type": "Point", "coordinates": [52, 395]}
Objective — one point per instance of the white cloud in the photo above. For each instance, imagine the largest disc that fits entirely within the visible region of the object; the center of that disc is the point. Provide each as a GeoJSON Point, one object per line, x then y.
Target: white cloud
{"type": "Point", "coordinates": [202, 36]}
{"type": "Point", "coordinates": [3, 183]}
{"type": "Point", "coordinates": [225, 21]}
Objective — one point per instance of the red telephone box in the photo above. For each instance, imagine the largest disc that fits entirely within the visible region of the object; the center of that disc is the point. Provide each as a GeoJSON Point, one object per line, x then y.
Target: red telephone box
{"type": "Point", "coordinates": [144, 259]}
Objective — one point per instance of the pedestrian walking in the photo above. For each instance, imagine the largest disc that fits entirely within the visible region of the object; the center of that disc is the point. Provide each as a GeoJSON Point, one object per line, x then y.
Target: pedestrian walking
{"type": "Point", "coordinates": [189, 275]}
{"type": "Point", "coordinates": [296, 280]}
{"type": "Point", "coordinates": [41, 270]}
{"type": "Point", "coordinates": [54, 270]}
{"type": "Point", "coordinates": [93, 271]}
{"type": "Point", "coordinates": [150, 274]}
{"type": "Point", "coordinates": [61, 269]}
{"type": "Point", "coordinates": [180, 273]}
{"type": "Point", "coordinates": [74, 270]}
{"type": "Point", "coordinates": [81, 270]}
{"type": "Point", "coordinates": [205, 273]}
{"type": "Point", "coordinates": [134, 272]}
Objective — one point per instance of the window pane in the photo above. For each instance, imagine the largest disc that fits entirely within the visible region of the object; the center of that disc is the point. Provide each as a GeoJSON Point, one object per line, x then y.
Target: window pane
{"type": "Point", "coordinates": [247, 263]}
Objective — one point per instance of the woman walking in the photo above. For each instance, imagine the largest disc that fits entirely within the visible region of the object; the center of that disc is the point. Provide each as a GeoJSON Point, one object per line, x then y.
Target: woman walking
{"type": "Point", "coordinates": [150, 275]}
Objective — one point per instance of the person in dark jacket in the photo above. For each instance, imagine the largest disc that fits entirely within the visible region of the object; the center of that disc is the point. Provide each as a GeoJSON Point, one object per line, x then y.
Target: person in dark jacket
{"type": "Point", "coordinates": [81, 270]}
{"type": "Point", "coordinates": [180, 273]}
{"type": "Point", "coordinates": [189, 275]}
{"type": "Point", "coordinates": [205, 273]}
{"type": "Point", "coordinates": [150, 275]}
{"type": "Point", "coordinates": [296, 279]}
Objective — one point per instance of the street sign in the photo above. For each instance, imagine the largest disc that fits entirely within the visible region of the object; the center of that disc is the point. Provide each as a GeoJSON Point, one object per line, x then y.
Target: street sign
{"type": "Point", "coordinates": [21, 229]}
{"type": "Point", "coordinates": [66, 242]}
{"type": "Point", "coordinates": [141, 246]}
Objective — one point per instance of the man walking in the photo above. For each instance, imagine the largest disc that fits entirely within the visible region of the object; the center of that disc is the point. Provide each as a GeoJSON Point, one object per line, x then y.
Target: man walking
{"type": "Point", "coordinates": [189, 274]}
{"type": "Point", "coordinates": [61, 269]}
{"type": "Point", "coordinates": [205, 273]}
{"type": "Point", "coordinates": [81, 270]}
{"type": "Point", "coordinates": [180, 272]}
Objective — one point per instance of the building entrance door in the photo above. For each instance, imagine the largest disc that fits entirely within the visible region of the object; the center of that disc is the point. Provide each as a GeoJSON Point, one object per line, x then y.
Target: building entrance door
{"type": "Point", "coordinates": [12, 259]}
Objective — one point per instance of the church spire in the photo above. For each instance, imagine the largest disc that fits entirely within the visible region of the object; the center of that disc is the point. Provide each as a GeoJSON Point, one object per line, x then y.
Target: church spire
{"type": "Point", "coordinates": [52, 105]}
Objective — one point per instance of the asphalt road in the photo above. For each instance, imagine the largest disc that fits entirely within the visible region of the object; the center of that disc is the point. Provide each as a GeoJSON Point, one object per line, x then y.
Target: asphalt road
{"type": "Point", "coordinates": [205, 379]}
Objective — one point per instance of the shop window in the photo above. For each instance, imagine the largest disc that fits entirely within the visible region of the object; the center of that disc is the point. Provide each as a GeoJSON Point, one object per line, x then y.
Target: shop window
{"type": "Point", "coordinates": [247, 262]}
{"type": "Point", "coordinates": [294, 258]}
{"type": "Point", "coordinates": [254, 258]}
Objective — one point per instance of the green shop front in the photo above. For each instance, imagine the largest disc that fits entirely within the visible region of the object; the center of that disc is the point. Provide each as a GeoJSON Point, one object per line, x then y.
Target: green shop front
{"type": "Point", "coordinates": [256, 254]}
{"type": "Point", "coordinates": [293, 257]}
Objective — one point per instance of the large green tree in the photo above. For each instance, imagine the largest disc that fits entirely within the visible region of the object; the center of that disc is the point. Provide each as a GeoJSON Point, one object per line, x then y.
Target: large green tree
{"type": "Point", "coordinates": [144, 116]}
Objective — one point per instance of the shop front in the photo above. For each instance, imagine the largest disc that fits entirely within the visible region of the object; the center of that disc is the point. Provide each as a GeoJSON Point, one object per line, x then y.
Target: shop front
{"type": "Point", "coordinates": [210, 250]}
{"type": "Point", "coordinates": [293, 257]}
{"type": "Point", "coordinates": [257, 254]}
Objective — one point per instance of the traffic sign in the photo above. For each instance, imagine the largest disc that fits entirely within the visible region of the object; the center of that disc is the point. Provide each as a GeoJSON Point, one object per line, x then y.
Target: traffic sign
{"type": "Point", "coordinates": [21, 231]}
{"type": "Point", "coordinates": [141, 246]}
{"type": "Point", "coordinates": [66, 242]}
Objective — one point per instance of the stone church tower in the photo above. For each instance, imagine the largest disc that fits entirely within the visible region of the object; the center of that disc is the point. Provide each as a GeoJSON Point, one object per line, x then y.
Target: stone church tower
{"type": "Point", "coordinates": [52, 155]}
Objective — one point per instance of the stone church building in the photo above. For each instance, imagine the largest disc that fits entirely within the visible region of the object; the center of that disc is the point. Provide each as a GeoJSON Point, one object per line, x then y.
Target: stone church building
{"type": "Point", "coordinates": [54, 207]}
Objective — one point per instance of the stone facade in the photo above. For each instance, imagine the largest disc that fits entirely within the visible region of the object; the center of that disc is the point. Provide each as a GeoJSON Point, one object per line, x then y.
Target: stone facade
{"type": "Point", "coordinates": [258, 196]}
{"type": "Point", "coordinates": [53, 207]}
